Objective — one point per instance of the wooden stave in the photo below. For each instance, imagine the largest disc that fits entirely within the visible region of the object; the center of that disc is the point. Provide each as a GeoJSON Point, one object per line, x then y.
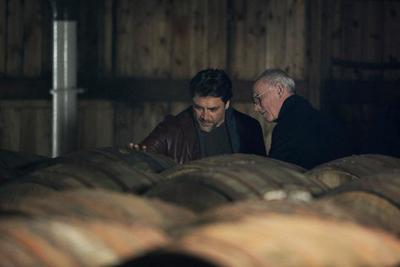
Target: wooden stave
{"type": "Point", "coordinates": [352, 168]}
{"type": "Point", "coordinates": [278, 240]}
{"type": "Point", "coordinates": [63, 239]}
{"type": "Point", "coordinates": [233, 182]}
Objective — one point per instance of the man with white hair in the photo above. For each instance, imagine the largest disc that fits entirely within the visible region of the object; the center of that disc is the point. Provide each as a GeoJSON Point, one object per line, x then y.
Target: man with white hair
{"type": "Point", "coordinates": [303, 135]}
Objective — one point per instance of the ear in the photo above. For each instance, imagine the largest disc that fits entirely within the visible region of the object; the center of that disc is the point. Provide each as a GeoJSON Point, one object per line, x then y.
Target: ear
{"type": "Point", "coordinates": [227, 104]}
{"type": "Point", "coordinates": [280, 90]}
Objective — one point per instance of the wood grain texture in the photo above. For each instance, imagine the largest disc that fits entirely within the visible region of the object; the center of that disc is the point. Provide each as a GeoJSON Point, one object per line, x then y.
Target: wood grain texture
{"type": "Point", "coordinates": [276, 34]}
{"type": "Point", "coordinates": [106, 37]}
{"type": "Point", "coordinates": [161, 40]}
{"type": "Point", "coordinates": [362, 33]}
{"type": "Point", "coordinates": [180, 39]}
{"type": "Point", "coordinates": [134, 122]}
{"type": "Point", "coordinates": [198, 36]}
{"type": "Point", "coordinates": [295, 38]}
{"type": "Point", "coordinates": [249, 39]}
{"type": "Point", "coordinates": [353, 33]}
{"type": "Point", "coordinates": [124, 45]}
{"type": "Point", "coordinates": [88, 38]}
{"type": "Point", "coordinates": [10, 127]}
{"type": "Point", "coordinates": [3, 36]}
{"type": "Point", "coordinates": [47, 25]}
{"type": "Point", "coordinates": [315, 33]}
{"type": "Point", "coordinates": [26, 125]}
{"type": "Point", "coordinates": [32, 38]}
{"type": "Point", "coordinates": [14, 47]}
{"type": "Point", "coordinates": [336, 29]}
{"type": "Point", "coordinates": [391, 29]}
{"type": "Point", "coordinates": [96, 120]}
{"type": "Point", "coordinates": [217, 33]}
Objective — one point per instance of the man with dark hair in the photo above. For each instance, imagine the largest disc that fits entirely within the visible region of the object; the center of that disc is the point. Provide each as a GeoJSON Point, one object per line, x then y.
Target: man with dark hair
{"type": "Point", "coordinates": [302, 135]}
{"type": "Point", "coordinates": [208, 127]}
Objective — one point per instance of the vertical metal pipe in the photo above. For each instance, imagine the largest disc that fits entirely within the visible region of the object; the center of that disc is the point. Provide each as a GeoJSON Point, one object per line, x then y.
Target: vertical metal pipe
{"type": "Point", "coordinates": [64, 111]}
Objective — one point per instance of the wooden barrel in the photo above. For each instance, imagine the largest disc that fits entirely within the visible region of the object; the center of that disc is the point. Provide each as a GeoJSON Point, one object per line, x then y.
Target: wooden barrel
{"type": "Point", "coordinates": [108, 168]}
{"type": "Point", "coordinates": [375, 198]}
{"type": "Point", "coordinates": [6, 174]}
{"type": "Point", "coordinates": [68, 176]}
{"type": "Point", "coordinates": [243, 209]}
{"type": "Point", "coordinates": [144, 161]}
{"type": "Point", "coordinates": [13, 191]}
{"type": "Point", "coordinates": [229, 160]}
{"type": "Point", "coordinates": [44, 242]}
{"type": "Point", "coordinates": [278, 240]}
{"type": "Point", "coordinates": [100, 205]}
{"type": "Point", "coordinates": [199, 186]}
{"type": "Point", "coordinates": [12, 161]}
{"type": "Point", "coordinates": [337, 172]}
{"type": "Point", "coordinates": [333, 208]}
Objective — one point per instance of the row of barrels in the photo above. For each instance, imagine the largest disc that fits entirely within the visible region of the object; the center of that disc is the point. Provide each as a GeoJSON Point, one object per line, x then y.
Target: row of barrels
{"type": "Point", "coordinates": [136, 172]}
{"type": "Point", "coordinates": [74, 210]}
{"type": "Point", "coordinates": [343, 213]}
{"type": "Point", "coordinates": [104, 228]}
{"type": "Point", "coordinates": [84, 227]}
{"type": "Point", "coordinates": [107, 168]}
{"type": "Point", "coordinates": [337, 214]}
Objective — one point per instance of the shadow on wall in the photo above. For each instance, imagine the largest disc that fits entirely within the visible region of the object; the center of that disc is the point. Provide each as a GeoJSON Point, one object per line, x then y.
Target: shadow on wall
{"type": "Point", "coordinates": [382, 135]}
{"type": "Point", "coordinates": [373, 129]}
{"type": "Point", "coordinates": [370, 111]}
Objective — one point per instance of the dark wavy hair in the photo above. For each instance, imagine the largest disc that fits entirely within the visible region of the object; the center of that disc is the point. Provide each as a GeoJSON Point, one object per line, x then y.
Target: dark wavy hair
{"type": "Point", "coordinates": [211, 82]}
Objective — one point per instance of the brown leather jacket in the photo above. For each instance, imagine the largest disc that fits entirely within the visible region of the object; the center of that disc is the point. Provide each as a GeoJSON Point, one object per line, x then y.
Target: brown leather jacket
{"type": "Point", "coordinates": [177, 136]}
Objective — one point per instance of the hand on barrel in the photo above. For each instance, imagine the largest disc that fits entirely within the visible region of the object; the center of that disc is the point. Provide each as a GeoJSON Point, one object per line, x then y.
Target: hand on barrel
{"type": "Point", "coordinates": [137, 147]}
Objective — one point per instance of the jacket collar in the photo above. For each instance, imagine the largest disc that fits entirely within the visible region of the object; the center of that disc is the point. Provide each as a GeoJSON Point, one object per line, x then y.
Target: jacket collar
{"type": "Point", "coordinates": [232, 129]}
{"type": "Point", "coordinates": [287, 105]}
{"type": "Point", "coordinates": [230, 124]}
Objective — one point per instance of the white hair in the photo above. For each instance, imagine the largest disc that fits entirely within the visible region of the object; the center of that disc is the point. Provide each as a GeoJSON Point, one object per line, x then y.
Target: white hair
{"type": "Point", "coordinates": [277, 76]}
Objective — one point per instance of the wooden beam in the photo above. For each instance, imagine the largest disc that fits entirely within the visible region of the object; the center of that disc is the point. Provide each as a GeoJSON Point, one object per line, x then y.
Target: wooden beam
{"type": "Point", "coordinates": [123, 89]}
{"type": "Point", "coordinates": [361, 92]}
{"type": "Point", "coordinates": [395, 65]}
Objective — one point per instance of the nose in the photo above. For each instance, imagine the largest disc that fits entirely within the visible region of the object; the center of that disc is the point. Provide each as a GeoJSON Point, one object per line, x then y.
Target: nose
{"type": "Point", "coordinates": [204, 115]}
{"type": "Point", "coordinates": [256, 107]}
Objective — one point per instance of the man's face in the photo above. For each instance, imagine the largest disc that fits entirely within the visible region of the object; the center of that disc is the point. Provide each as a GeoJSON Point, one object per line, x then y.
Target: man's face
{"type": "Point", "coordinates": [209, 112]}
{"type": "Point", "coordinates": [267, 100]}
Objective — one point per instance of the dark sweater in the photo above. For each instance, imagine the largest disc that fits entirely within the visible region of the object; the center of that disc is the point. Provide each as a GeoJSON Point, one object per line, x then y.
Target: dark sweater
{"type": "Point", "coordinates": [304, 136]}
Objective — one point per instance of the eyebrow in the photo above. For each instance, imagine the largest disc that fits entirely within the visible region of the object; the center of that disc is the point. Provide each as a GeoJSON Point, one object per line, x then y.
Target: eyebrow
{"type": "Point", "coordinates": [212, 108]}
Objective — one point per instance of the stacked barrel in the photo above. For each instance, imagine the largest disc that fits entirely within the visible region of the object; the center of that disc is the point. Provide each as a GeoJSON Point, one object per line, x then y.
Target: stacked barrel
{"type": "Point", "coordinates": [84, 209]}
{"type": "Point", "coordinates": [117, 207]}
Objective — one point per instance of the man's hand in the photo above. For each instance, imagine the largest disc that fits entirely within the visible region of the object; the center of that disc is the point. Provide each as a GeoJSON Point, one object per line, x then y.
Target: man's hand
{"type": "Point", "coordinates": [137, 147]}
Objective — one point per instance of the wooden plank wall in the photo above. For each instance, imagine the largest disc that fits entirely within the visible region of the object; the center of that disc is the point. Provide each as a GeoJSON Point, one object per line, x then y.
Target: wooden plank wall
{"type": "Point", "coordinates": [160, 38]}
{"type": "Point", "coordinates": [169, 39]}
{"type": "Point", "coordinates": [173, 39]}
{"type": "Point", "coordinates": [364, 32]}
{"type": "Point", "coordinates": [24, 36]}
{"type": "Point", "coordinates": [364, 41]}
{"type": "Point", "coordinates": [25, 125]}
{"type": "Point", "coordinates": [269, 34]}
{"type": "Point", "coordinates": [178, 38]}
{"type": "Point", "coordinates": [391, 34]}
{"type": "Point", "coordinates": [3, 37]}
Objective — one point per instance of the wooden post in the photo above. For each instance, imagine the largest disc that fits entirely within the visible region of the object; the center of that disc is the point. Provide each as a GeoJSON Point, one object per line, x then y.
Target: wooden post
{"type": "Point", "coordinates": [318, 47]}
